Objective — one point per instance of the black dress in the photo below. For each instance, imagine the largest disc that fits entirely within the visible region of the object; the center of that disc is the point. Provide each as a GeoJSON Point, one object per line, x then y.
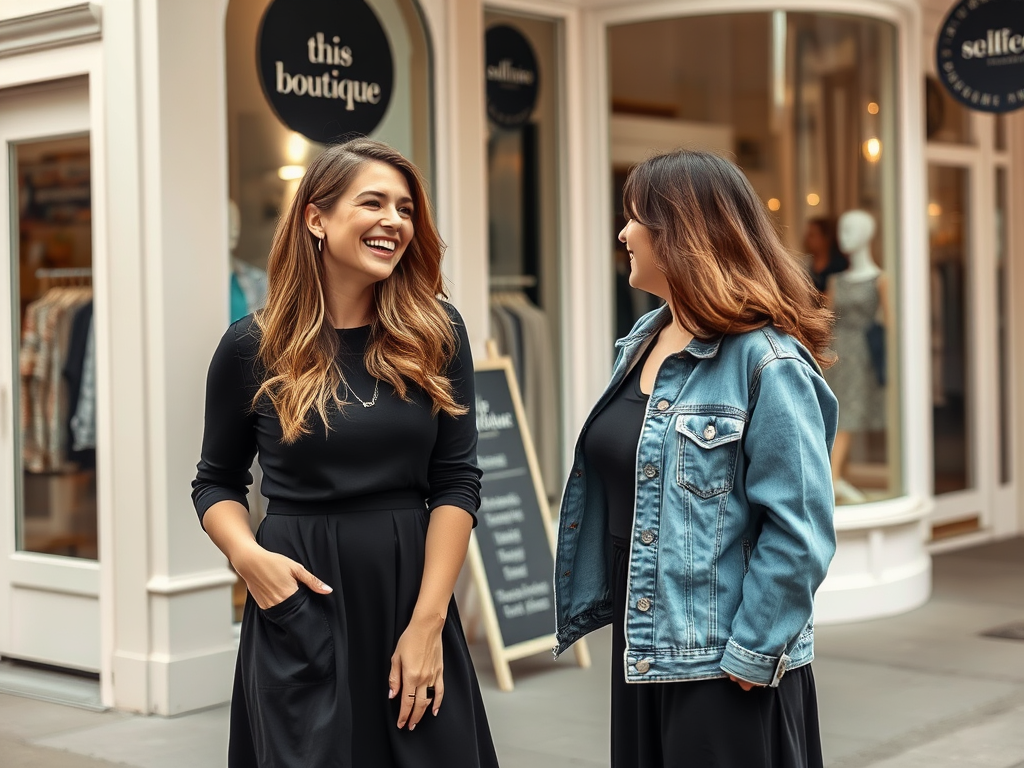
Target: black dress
{"type": "Point", "coordinates": [700, 723]}
{"type": "Point", "coordinates": [352, 505]}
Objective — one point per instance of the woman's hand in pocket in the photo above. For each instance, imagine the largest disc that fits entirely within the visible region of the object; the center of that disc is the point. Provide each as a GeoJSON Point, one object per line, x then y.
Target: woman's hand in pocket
{"type": "Point", "coordinates": [272, 578]}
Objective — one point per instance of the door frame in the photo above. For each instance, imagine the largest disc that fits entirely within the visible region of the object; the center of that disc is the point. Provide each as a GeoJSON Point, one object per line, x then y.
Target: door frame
{"type": "Point", "coordinates": [992, 501]}
{"type": "Point", "coordinates": [81, 57]}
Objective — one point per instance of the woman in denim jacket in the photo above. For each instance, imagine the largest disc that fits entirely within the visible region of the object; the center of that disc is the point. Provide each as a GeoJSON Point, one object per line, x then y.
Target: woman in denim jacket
{"type": "Point", "coordinates": [697, 519]}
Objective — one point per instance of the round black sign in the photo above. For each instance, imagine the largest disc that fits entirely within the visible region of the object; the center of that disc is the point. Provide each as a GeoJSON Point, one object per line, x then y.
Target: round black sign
{"type": "Point", "coordinates": [325, 66]}
{"type": "Point", "coordinates": [980, 54]}
{"type": "Point", "coordinates": [512, 76]}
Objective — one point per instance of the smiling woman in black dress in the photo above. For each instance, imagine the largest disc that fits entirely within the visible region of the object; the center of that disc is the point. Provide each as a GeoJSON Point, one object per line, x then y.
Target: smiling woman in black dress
{"type": "Point", "coordinates": [355, 386]}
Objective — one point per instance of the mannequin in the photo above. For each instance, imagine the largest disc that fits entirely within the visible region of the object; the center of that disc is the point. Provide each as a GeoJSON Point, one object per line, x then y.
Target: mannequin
{"type": "Point", "coordinates": [248, 283]}
{"type": "Point", "coordinates": [857, 295]}
{"type": "Point", "coordinates": [855, 232]}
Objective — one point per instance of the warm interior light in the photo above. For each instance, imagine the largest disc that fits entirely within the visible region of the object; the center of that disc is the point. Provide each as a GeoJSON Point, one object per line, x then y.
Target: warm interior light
{"type": "Point", "coordinates": [813, 199]}
{"type": "Point", "coordinates": [872, 149]}
{"type": "Point", "coordinates": [774, 204]}
{"type": "Point", "coordinates": [295, 149]}
{"type": "Point", "coordinates": [934, 209]}
{"type": "Point", "coordinates": [290, 172]}
{"type": "Point", "coordinates": [872, 108]}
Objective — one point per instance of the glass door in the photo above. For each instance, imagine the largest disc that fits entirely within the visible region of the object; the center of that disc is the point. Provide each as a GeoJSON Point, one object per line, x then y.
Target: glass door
{"type": "Point", "coordinates": [971, 343]}
{"type": "Point", "coordinates": [525, 244]}
{"type": "Point", "coordinates": [49, 569]}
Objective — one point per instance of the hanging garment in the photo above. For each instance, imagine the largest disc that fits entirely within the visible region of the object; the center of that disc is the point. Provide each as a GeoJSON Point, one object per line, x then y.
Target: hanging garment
{"type": "Point", "coordinates": [525, 335]}
{"type": "Point", "coordinates": [83, 423]}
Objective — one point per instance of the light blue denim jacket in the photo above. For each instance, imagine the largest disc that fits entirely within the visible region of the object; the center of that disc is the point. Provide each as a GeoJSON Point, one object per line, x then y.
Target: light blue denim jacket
{"type": "Point", "coordinates": [732, 528]}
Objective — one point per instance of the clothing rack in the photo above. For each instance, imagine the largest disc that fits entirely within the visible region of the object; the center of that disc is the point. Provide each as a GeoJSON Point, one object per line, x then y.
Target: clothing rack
{"type": "Point", "coordinates": [499, 282]}
{"type": "Point", "coordinates": [43, 274]}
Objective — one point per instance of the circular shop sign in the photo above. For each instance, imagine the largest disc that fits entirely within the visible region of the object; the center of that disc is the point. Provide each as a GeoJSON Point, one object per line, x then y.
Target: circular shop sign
{"type": "Point", "coordinates": [325, 66]}
{"type": "Point", "coordinates": [980, 54]}
{"type": "Point", "coordinates": [512, 76]}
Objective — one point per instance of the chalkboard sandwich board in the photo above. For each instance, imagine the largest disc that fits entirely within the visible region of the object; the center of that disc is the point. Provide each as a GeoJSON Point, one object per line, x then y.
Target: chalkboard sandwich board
{"type": "Point", "coordinates": [511, 553]}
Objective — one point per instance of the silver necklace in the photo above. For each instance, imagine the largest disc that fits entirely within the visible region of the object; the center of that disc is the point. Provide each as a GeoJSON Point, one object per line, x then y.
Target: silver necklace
{"type": "Point", "coordinates": [373, 400]}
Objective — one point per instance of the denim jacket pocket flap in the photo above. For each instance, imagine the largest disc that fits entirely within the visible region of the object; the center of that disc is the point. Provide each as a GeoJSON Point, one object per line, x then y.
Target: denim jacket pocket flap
{"type": "Point", "coordinates": [708, 444]}
{"type": "Point", "coordinates": [708, 430]}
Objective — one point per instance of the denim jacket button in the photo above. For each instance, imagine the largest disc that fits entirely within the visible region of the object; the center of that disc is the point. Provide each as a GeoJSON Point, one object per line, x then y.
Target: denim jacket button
{"type": "Point", "coordinates": [642, 666]}
{"type": "Point", "coordinates": [709, 432]}
{"type": "Point", "coordinates": [647, 537]}
{"type": "Point", "coordinates": [662, 405]}
{"type": "Point", "coordinates": [650, 471]}
{"type": "Point", "coordinates": [643, 604]}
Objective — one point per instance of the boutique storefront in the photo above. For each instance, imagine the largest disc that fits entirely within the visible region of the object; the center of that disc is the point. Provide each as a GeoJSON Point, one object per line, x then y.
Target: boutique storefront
{"type": "Point", "coordinates": [149, 146]}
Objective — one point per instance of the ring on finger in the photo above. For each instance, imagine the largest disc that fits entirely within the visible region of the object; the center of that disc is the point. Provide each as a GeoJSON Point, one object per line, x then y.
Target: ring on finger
{"type": "Point", "coordinates": [430, 693]}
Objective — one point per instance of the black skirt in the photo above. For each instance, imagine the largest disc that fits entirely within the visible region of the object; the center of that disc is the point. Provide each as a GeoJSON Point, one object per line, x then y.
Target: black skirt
{"type": "Point", "coordinates": [311, 683]}
{"type": "Point", "coordinates": [707, 723]}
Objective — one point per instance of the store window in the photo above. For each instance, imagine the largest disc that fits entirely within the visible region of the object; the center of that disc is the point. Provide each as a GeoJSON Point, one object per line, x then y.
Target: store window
{"type": "Point", "coordinates": [947, 121]}
{"type": "Point", "coordinates": [949, 241]}
{"type": "Point", "coordinates": [523, 80]}
{"type": "Point", "coordinates": [805, 104]}
{"type": "Point", "coordinates": [56, 511]}
{"type": "Point", "coordinates": [267, 159]}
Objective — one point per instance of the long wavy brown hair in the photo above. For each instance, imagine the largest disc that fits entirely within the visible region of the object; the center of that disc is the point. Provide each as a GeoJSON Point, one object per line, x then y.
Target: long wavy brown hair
{"type": "Point", "coordinates": [727, 269]}
{"type": "Point", "coordinates": [411, 336]}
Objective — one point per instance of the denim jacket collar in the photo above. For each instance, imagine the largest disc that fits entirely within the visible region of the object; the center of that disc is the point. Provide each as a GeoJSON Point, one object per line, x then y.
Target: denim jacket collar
{"type": "Point", "coordinates": [699, 348]}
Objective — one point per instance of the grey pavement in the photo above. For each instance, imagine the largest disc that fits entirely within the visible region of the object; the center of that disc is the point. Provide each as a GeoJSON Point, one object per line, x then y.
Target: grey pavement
{"type": "Point", "coordinates": [924, 689]}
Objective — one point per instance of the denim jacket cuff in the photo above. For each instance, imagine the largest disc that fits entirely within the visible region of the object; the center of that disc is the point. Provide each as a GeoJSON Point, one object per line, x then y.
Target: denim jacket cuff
{"type": "Point", "coordinates": [752, 666]}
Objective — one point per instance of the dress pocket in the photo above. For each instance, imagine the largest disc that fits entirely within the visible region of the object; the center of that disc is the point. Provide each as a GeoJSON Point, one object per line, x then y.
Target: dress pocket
{"type": "Point", "coordinates": [297, 644]}
{"type": "Point", "coordinates": [708, 445]}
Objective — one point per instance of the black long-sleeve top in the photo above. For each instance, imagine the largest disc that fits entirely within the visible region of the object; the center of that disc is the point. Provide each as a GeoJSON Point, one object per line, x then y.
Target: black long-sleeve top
{"type": "Point", "coordinates": [393, 446]}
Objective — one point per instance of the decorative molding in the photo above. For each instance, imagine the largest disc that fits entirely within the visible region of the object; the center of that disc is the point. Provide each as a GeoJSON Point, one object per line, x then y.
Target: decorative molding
{"type": "Point", "coordinates": [192, 582]}
{"type": "Point", "coordinates": [77, 23]}
{"type": "Point", "coordinates": [882, 514]}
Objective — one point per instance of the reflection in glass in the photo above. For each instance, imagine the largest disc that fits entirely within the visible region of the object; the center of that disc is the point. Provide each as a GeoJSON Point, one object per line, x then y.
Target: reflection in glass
{"type": "Point", "coordinates": [948, 238]}
{"type": "Point", "coordinates": [806, 105]}
{"type": "Point", "coordinates": [1003, 329]}
{"type": "Point", "coordinates": [56, 505]}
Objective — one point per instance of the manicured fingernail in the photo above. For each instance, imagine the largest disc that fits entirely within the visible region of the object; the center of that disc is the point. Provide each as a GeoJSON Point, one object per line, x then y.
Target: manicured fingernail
{"type": "Point", "coordinates": [327, 587]}
{"type": "Point", "coordinates": [412, 727]}
{"type": "Point", "coordinates": [391, 693]}
{"type": "Point", "coordinates": [436, 711]}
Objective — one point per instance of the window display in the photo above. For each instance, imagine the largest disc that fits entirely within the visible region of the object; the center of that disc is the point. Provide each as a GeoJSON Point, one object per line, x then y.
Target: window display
{"type": "Point", "coordinates": [56, 354]}
{"type": "Point", "coordinates": [805, 104]}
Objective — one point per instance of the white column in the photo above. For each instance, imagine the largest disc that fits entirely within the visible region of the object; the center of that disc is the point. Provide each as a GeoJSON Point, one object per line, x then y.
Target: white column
{"type": "Point", "coordinates": [169, 615]}
{"type": "Point", "coordinates": [456, 28]}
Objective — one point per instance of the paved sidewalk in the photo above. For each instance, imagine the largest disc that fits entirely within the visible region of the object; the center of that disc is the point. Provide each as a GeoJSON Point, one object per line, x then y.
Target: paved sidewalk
{"type": "Point", "coordinates": [924, 689]}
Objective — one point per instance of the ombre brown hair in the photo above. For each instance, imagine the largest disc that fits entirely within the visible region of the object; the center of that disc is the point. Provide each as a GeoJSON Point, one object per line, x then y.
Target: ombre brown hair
{"type": "Point", "coordinates": [727, 269]}
{"type": "Point", "coordinates": [411, 336]}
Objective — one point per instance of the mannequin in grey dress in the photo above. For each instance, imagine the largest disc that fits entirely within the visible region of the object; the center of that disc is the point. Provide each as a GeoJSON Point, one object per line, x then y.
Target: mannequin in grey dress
{"type": "Point", "coordinates": [857, 296]}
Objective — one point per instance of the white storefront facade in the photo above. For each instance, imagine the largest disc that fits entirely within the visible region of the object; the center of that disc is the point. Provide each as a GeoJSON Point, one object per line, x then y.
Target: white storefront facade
{"type": "Point", "coordinates": [127, 126]}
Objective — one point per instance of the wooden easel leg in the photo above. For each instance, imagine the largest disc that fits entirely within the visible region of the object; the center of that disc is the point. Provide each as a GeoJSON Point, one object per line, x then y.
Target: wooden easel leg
{"type": "Point", "coordinates": [582, 653]}
{"type": "Point", "coordinates": [469, 609]}
{"type": "Point", "coordinates": [502, 671]}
